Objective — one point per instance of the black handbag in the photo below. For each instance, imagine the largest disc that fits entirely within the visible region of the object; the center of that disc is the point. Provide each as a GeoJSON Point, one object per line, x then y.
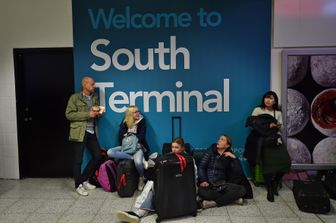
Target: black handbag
{"type": "Point", "coordinates": [329, 183]}
{"type": "Point", "coordinates": [219, 186]}
{"type": "Point", "coordinates": [311, 196]}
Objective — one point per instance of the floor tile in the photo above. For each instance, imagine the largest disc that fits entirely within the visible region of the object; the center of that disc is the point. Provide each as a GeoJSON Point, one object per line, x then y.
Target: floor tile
{"type": "Point", "coordinates": [85, 205]}
{"type": "Point", "coordinates": [55, 200]}
{"type": "Point", "coordinates": [205, 212]}
{"type": "Point", "coordinates": [43, 218]}
{"type": "Point", "coordinates": [76, 218]}
{"type": "Point", "coordinates": [282, 220]}
{"type": "Point", "coordinates": [13, 217]}
{"type": "Point", "coordinates": [314, 219]}
{"type": "Point", "coordinates": [275, 209]}
{"type": "Point", "coordinates": [58, 206]}
{"type": "Point", "coordinates": [248, 220]}
{"type": "Point", "coordinates": [6, 185]}
{"type": "Point", "coordinates": [328, 219]}
{"type": "Point", "coordinates": [104, 218]}
{"type": "Point", "coordinates": [25, 206]}
{"type": "Point", "coordinates": [110, 206]}
{"type": "Point", "coordinates": [212, 219]}
{"type": "Point", "coordinates": [5, 203]}
{"type": "Point", "coordinates": [248, 210]}
{"type": "Point", "coordinates": [219, 211]}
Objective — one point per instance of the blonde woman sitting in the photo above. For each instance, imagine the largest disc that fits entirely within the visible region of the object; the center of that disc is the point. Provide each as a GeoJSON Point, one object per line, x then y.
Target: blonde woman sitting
{"type": "Point", "coordinates": [133, 124]}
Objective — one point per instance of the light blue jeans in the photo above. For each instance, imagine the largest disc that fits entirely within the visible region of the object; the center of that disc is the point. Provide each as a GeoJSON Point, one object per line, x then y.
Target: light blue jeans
{"type": "Point", "coordinates": [116, 152]}
{"type": "Point", "coordinates": [148, 203]}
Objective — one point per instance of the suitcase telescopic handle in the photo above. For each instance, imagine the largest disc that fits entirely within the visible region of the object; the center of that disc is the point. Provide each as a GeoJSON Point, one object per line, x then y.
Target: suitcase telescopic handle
{"type": "Point", "coordinates": [179, 119]}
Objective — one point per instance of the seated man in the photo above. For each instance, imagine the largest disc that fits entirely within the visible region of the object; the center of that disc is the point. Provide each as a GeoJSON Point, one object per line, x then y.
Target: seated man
{"type": "Point", "coordinates": [213, 171]}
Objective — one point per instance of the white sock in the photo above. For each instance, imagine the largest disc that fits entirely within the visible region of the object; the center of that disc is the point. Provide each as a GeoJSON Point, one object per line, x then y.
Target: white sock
{"type": "Point", "coordinates": [208, 204]}
{"type": "Point", "coordinates": [141, 212]}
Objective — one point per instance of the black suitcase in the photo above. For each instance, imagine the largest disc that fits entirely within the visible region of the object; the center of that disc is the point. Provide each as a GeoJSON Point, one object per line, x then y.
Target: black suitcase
{"type": "Point", "coordinates": [128, 178]}
{"type": "Point", "coordinates": [175, 190]}
{"type": "Point", "coordinates": [311, 196]}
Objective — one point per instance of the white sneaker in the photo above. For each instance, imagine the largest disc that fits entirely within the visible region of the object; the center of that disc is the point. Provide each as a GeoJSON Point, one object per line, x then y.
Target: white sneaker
{"type": "Point", "coordinates": [88, 186]}
{"type": "Point", "coordinates": [208, 204]}
{"type": "Point", "coordinates": [145, 163]}
{"type": "Point", "coordinates": [81, 190]}
{"type": "Point", "coordinates": [240, 201]}
{"type": "Point", "coordinates": [128, 216]}
{"type": "Point", "coordinates": [153, 156]}
{"type": "Point", "coordinates": [141, 184]}
{"type": "Point", "coordinates": [151, 163]}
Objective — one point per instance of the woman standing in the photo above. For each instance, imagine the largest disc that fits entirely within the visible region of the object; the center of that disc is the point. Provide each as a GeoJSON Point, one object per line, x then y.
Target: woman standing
{"type": "Point", "coordinates": [265, 145]}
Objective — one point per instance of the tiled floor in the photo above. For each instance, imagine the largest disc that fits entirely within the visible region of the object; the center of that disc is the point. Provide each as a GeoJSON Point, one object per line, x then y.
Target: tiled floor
{"type": "Point", "coordinates": [54, 200]}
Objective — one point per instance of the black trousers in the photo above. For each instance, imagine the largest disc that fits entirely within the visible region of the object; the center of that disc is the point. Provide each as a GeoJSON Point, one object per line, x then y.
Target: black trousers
{"type": "Point", "coordinates": [91, 143]}
{"type": "Point", "coordinates": [273, 180]}
{"type": "Point", "coordinates": [230, 193]}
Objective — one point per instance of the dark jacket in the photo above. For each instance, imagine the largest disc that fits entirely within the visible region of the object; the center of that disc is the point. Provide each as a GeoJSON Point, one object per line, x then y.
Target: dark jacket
{"type": "Point", "coordinates": [256, 139]}
{"type": "Point", "coordinates": [261, 124]}
{"type": "Point", "coordinates": [214, 167]}
{"type": "Point", "coordinates": [141, 133]}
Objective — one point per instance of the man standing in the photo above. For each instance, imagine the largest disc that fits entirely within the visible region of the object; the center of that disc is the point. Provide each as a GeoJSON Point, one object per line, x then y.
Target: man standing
{"type": "Point", "coordinates": [82, 111]}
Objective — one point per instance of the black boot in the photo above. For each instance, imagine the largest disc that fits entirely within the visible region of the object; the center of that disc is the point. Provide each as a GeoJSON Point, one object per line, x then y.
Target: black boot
{"type": "Point", "coordinates": [276, 183]}
{"type": "Point", "coordinates": [275, 187]}
{"type": "Point", "coordinates": [268, 178]}
{"type": "Point", "coordinates": [270, 194]}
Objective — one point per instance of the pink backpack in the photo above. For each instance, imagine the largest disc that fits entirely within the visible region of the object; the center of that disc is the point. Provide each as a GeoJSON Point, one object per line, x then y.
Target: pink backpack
{"type": "Point", "coordinates": [108, 176]}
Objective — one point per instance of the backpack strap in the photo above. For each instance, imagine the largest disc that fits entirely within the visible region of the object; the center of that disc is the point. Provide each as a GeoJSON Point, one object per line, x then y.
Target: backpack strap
{"type": "Point", "coordinates": [183, 162]}
{"type": "Point", "coordinates": [122, 181]}
{"type": "Point", "coordinates": [112, 176]}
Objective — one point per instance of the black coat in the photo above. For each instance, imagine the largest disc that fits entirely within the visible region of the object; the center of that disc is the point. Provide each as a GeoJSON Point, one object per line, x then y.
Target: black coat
{"type": "Point", "coordinates": [213, 168]}
{"type": "Point", "coordinates": [261, 132]}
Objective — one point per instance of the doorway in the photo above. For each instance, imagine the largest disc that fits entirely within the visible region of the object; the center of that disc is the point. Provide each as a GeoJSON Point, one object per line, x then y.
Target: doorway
{"type": "Point", "coordinates": [44, 81]}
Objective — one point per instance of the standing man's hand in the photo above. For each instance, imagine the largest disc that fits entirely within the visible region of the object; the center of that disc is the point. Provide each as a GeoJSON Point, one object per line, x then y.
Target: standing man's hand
{"type": "Point", "coordinates": [93, 114]}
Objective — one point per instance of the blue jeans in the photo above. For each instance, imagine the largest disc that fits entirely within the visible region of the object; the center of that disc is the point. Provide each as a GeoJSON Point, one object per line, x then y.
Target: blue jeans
{"type": "Point", "coordinates": [148, 203]}
{"type": "Point", "coordinates": [116, 152]}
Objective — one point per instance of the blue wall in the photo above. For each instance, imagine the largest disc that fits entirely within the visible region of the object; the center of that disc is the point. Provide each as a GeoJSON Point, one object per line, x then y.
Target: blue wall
{"type": "Point", "coordinates": [221, 40]}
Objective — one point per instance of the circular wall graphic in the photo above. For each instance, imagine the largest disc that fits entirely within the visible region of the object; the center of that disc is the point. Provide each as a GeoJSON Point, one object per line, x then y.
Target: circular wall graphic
{"type": "Point", "coordinates": [325, 151]}
{"type": "Point", "coordinates": [296, 69]}
{"type": "Point", "coordinates": [298, 151]}
{"type": "Point", "coordinates": [323, 112]}
{"type": "Point", "coordinates": [323, 69]}
{"type": "Point", "coordinates": [297, 112]}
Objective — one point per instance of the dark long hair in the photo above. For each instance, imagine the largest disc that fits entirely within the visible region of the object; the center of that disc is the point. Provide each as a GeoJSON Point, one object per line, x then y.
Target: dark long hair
{"type": "Point", "coordinates": [276, 100]}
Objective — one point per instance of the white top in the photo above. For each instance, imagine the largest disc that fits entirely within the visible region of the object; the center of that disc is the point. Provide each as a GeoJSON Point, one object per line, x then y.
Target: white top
{"type": "Point", "coordinates": [260, 111]}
